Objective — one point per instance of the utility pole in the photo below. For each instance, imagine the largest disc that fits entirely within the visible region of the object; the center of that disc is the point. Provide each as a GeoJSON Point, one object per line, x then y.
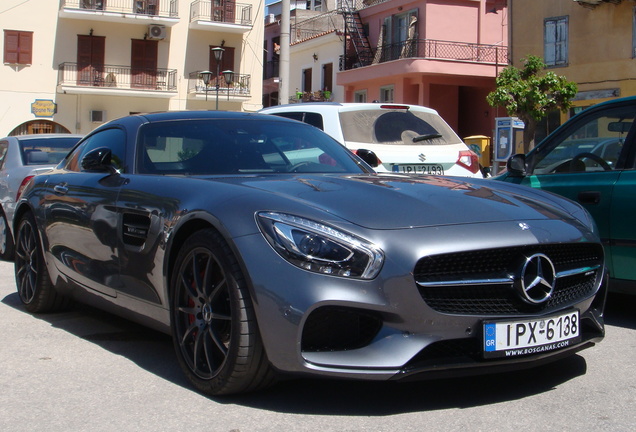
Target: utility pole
{"type": "Point", "coordinates": [283, 85]}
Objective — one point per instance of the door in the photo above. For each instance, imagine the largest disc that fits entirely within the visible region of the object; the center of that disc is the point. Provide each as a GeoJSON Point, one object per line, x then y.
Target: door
{"type": "Point", "coordinates": [587, 161]}
{"type": "Point", "coordinates": [223, 10]}
{"type": "Point", "coordinates": [90, 60]}
{"type": "Point", "coordinates": [143, 64]}
{"type": "Point", "coordinates": [81, 220]}
{"type": "Point", "coordinates": [227, 63]}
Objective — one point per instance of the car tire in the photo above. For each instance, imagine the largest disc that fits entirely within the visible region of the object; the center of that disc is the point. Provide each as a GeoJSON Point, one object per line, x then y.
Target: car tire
{"type": "Point", "coordinates": [31, 275]}
{"type": "Point", "coordinates": [214, 328]}
{"type": "Point", "coordinates": [6, 239]}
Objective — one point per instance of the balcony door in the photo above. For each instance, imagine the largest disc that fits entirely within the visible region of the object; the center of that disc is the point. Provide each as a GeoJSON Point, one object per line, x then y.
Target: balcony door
{"type": "Point", "coordinates": [227, 63]}
{"type": "Point", "coordinates": [143, 64]}
{"type": "Point", "coordinates": [90, 60]}
{"type": "Point", "coordinates": [223, 10]}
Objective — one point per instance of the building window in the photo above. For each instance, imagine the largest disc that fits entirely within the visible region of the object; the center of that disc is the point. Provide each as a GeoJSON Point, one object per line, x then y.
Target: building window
{"type": "Point", "coordinates": [555, 41]}
{"type": "Point", "coordinates": [306, 87]}
{"type": "Point", "coordinates": [315, 5]}
{"type": "Point", "coordinates": [386, 94]}
{"type": "Point", "coordinates": [360, 96]}
{"type": "Point", "coordinates": [18, 47]}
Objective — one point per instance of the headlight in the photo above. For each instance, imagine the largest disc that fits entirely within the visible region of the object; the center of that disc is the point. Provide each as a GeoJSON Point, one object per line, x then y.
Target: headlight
{"type": "Point", "coordinates": [319, 248]}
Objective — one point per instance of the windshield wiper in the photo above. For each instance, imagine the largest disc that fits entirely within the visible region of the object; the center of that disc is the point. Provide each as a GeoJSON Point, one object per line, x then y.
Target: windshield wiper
{"type": "Point", "coordinates": [426, 137]}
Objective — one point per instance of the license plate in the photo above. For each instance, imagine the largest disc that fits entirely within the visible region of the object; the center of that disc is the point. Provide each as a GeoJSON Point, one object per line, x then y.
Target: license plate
{"type": "Point", "coordinates": [523, 337]}
{"type": "Point", "coordinates": [434, 169]}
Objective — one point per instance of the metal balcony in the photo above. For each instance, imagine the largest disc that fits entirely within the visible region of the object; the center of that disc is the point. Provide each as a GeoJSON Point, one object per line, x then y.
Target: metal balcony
{"type": "Point", "coordinates": [117, 80]}
{"type": "Point", "coordinates": [238, 90]}
{"type": "Point", "coordinates": [205, 15]}
{"type": "Point", "coordinates": [162, 11]}
{"type": "Point", "coordinates": [429, 49]}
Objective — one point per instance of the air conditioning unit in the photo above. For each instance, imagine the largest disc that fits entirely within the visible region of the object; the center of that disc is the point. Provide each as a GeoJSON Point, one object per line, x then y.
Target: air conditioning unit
{"type": "Point", "coordinates": [98, 116]}
{"type": "Point", "coordinates": [156, 31]}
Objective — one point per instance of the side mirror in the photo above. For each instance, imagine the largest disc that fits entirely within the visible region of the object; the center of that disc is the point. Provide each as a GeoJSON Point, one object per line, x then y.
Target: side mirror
{"type": "Point", "coordinates": [517, 166]}
{"type": "Point", "coordinates": [99, 160]}
{"type": "Point", "coordinates": [369, 157]}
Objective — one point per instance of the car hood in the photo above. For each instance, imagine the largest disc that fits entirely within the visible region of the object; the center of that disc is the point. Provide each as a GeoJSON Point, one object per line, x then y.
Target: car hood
{"type": "Point", "coordinates": [388, 201]}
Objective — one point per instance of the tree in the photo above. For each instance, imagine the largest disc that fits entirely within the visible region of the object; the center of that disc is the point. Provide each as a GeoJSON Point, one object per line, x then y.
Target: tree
{"type": "Point", "coordinates": [528, 96]}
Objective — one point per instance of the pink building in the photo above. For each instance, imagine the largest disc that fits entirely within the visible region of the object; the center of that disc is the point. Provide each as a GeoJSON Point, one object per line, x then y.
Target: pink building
{"type": "Point", "coordinates": [444, 54]}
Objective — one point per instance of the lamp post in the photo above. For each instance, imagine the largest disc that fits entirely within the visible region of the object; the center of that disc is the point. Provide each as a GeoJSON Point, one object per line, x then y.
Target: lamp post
{"type": "Point", "coordinates": [206, 76]}
{"type": "Point", "coordinates": [229, 78]}
{"type": "Point", "coordinates": [218, 55]}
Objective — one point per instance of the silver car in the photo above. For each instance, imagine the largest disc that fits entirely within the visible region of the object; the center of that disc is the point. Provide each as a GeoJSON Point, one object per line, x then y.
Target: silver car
{"type": "Point", "coordinates": [22, 157]}
{"type": "Point", "coordinates": [265, 247]}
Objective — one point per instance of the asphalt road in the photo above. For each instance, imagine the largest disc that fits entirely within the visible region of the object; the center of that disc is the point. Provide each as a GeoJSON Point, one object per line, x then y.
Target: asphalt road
{"type": "Point", "coordinates": [84, 370]}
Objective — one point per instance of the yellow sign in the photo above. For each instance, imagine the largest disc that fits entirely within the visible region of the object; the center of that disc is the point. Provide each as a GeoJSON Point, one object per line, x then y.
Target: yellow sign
{"type": "Point", "coordinates": [43, 108]}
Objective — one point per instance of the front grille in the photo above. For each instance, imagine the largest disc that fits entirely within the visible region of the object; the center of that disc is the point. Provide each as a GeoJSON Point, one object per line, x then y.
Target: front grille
{"type": "Point", "coordinates": [474, 282]}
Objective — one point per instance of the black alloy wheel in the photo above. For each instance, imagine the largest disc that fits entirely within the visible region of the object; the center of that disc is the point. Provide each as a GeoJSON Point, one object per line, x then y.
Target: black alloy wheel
{"type": "Point", "coordinates": [31, 275]}
{"type": "Point", "coordinates": [6, 240]}
{"type": "Point", "coordinates": [213, 325]}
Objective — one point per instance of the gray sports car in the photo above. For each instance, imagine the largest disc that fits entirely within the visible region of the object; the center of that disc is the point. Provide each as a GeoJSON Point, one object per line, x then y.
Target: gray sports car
{"type": "Point", "coordinates": [265, 248]}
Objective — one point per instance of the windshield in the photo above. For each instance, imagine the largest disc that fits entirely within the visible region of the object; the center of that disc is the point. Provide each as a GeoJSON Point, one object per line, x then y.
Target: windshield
{"type": "Point", "coordinates": [222, 146]}
{"type": "Point", "coordinates": [46, 151]}
{"type": "Point", "coordinates": [396, 127]}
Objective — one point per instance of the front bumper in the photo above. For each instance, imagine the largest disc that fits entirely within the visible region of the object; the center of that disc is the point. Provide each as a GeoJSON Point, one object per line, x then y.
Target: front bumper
{"type": "Point", "coordinates": [385, 328]}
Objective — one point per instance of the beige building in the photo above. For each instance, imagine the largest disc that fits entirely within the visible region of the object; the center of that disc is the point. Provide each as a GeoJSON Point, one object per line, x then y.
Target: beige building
{"type": "Point", "coordinates": [591, 42]}
{"type": "Point", "coordinates": [70, 65]}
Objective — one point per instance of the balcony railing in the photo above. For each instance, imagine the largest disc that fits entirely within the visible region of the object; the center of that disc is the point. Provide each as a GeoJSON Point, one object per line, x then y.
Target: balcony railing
{"type": "Point", "coordinates": [353, 5]}
{"type": "Point", "coordinates": [167, 8]}
{"type": "Point", "coordinates": [430, 49]}
{"type": "Point", "coordinates": [203, 10]}
{"type": "Point", "coordinates": [317, 25]}
{"type": "Point", "coordinates": [239, 87]}
{"type": "Point", "coordinates": [117, 77]}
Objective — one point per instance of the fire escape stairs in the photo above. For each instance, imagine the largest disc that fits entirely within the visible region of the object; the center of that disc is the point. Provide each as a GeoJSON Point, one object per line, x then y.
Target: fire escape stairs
{"type": "Point", "coordinates": [357, 35]}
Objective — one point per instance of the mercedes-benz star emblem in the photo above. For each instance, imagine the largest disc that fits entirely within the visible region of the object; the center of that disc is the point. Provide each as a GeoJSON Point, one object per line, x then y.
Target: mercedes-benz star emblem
{"type": "Point", "coordinates": [537, 279]}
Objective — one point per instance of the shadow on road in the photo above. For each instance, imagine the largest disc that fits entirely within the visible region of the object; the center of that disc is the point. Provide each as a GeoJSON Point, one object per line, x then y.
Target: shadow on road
{"type": "Point", "coordinates": [621, 310]}
{"type": "Point", "coordinates": [153, 352]}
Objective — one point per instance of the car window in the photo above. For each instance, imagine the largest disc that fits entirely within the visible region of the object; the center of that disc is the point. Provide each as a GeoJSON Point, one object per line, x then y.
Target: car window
{"type": "Point", "coordinates": [311, 118]}
{"type": "Point", "coordinates": [3, 151]}
{"type": "Point", "coordinates": [208, 147]}
{"type": "Point", "coordinates": [114, 139]}
{"type": "Point", "coordinates": [592, 144]}
{"type": "Point", "coordinates": [396, 127]}
{"type": "Point", "coordinates": [46, 151]}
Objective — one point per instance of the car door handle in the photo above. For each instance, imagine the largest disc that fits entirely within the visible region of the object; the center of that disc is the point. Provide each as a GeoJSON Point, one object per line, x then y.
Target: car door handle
{"type": "Point", "coordinates": [589, 197]}
{"type": "Point", "coordinates": [60, 189]}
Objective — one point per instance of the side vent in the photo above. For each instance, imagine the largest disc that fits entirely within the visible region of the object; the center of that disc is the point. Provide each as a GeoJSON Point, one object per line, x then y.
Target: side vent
{"type": "Point", "coordinates": [98, 116]}
{"type": "Point", "coordinates": [135, 229]}
{"type": "Point", "coordinates": [156, 31]}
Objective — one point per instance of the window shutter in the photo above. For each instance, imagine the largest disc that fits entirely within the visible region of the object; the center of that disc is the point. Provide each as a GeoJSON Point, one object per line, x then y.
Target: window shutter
{"type": "Point", "coordinates": [11, 46]}
{"type": "Point", "coordinates": [562, 42]}
{"type": "Point", "coordinates": [26, 48]}
{"type": "Point", "coordinates": [18, 47]}
{"type": "Point", "coordinates": [549, 38]}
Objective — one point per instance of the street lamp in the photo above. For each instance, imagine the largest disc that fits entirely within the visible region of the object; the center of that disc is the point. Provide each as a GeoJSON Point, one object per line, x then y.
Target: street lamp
{"type": "Point", "coordinates": [229, 78]}
{"type": "Point", "coordinates": [206, 76]}
{"type": "Point", "coordinates": [218, 55]}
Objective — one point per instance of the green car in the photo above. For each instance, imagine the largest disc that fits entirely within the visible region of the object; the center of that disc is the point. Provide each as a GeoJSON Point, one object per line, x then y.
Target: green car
{"type": "Point", "coordinates": [591, 159]}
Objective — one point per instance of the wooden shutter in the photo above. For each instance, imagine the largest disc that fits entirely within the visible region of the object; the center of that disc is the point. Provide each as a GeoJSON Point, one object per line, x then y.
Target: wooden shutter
{"type": "Point", "coordinates": [144, 63]}
{"type": "Point", "coordinates": [18, 47]}
{"type": "Point", "coordinates": [227, 62]}
{"type": "Point", "coordinates": [90, 59]}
